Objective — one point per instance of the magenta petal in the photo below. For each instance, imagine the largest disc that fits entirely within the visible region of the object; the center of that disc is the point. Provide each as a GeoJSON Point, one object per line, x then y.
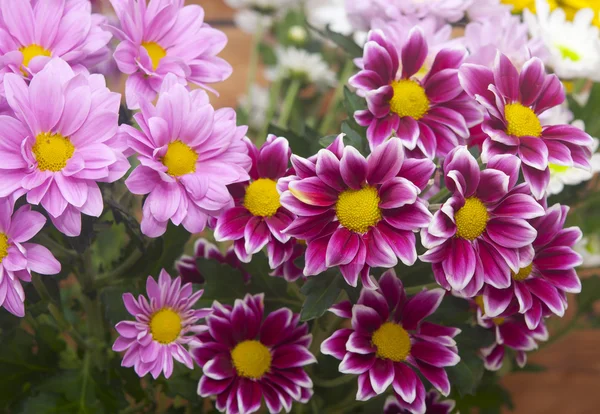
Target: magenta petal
{"type": "Point", "coordinates": [531, 80]}
{"type": "Point", "coordinates": [382, 375]}
{"type": "Point", "coordinates": [510, 233]}
{"type": "Point", "coordinates": [496, 300]}
{"type": "Point", "coordinates": [379, 251]}
{"type": "Point", "coordinates": [342, 247]}
{"type": "Point", "coordinates": [533, 152]}
{"type": "Point", "coordinates": [460, 263]}
{"type": "Point", "coordinates": [365, 390]}
{"type": "Point", "coordinates": [519, 206]}
{"type": "Point", "coordinates": [434, 354]}
{"type": "Point", "coordinates": [356, 363]}
{"type": "Point", "coordinates": [273, 158]}
{"type": "Point", "coordinates": [385, 162]}
{"type": "Point", "coordinates": [413, 52]}
{"type": "Point", "coordinates": [315, 256]}
{"type": "Point", "coordinates": [335, 345]}
{"type": "Point", "coordinates": [313, 191]}
{"type": "Point", "coordinates": [397, 192]}
{"type": "Point", "coordinates": [365, 319]}
{"type": "Point", "coordinates": [360, 344]}
{"type": "Point", "coordinates": [231, 224]}
{"type": "Point", "coordinates": [437, 377]}
{"type": "Point", "coordinates": [256, 235]}
{"type": "Point", "coordinates": [537, 180]}
{"type": "Point", "coordinates": [353, 168]}
{"type": "Point", "coordinates": [497, 271]}
{"type": "Point", "coordinates": [405, 382]}
{"type": "Point", "coordinates": [291, 356]}
{"type": "Point", "coordinates": [421, 306]}
{"type": "Point", "coordinates": [249, 396]}
{"type": "Point", "coordinates": [548, 295]}
{"type": "Point", "coordinates": [328, 170]}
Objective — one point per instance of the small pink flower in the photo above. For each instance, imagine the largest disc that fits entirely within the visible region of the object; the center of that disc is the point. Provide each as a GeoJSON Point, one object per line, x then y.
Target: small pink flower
{"type": "Point", "coordinates": [433, 405]}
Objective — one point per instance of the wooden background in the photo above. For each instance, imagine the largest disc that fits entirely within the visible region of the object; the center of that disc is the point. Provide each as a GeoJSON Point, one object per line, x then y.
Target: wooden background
{"type": "Point", "coordinates": [571, 383]}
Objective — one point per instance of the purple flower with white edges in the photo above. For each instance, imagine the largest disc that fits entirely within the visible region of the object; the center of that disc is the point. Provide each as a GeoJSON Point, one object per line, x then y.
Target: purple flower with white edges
{"type": "Point", "coordinates": [431, 113]}
{"type": "Point", "coordinates": [289, 270]}
{"type": "Point", "coordinates": [165, 323]}
{"type": "Point", "coordinates": [388, 341]}
{"type": "Point", "coordinates": [475, 238]}
{"type": "Point", "coordinates": [247, 357]}
{"type": "Point", "coordinates": [433, 405]}
{"type": "Point", "coordinates": [357, 213]}
{"type": "Point", "coordinates": [513, 102]}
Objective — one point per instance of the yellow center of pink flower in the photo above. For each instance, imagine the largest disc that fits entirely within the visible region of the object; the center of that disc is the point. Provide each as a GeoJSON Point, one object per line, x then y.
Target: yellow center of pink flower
{"type": "Point", "coordinates": [165, 326]}
{"type": "Point", "coordinates": [471, 219]}
{"type": "Point", "coordinates": [155, 51]}
{"type": "Point", "coordinates": [31, 51]}
{"type": "Point", "coordinates": [52, 151]}
{"type": "Point", "coordinates": [523, 273]}
{"type": "Point", "coordinates": [409, 99]}
{"type": "Point", "coordinates": [358, 210]}
{"type": "Point", "coordinates": [392, 342]}
{"type": "Point", "coordinates": [180, 159]}
{"type": "Point", "coordinates": [262, 198]}
{"type": "Point", "coordinates": [479, 301]}
{"type": "Point", "coordinates": [522, 121]}
{"type": "Point", "coordinates": [251, 359]}
{"type": "Point", "coordinates": [3, 246]}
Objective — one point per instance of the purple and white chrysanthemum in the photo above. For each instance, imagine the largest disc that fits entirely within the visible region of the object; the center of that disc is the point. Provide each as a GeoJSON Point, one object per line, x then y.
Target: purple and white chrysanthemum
{"type": "Point", "coordinates": [389, 341]}
{"type": "Point", "coordinates": [165, 323]}
{"type": "Point", "coordinates": [246, 357]}
{"type": "Point", "coordinates": [189, 153]}
{"type": "Point", "coordinates": [513, 102]}
{"type": "Point", "coordinates": [163, 37]}
{"type": "Point", "coordinates": [433, 405]}
{"type": "Point", "coordinates": [432, 114]}
{"type": "Point", "coordinates": [476, 236]}
{"type": "Point", "coordinates": [355, 212]}
{"type": "Point", "coordinates": [289, 269]}
{"type": "Point", "coordinates": [19, 258]}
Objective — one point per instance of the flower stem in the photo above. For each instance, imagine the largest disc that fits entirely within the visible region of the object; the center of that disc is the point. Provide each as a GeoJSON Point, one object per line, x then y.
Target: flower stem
{"type": "Point", "coordinates": [334, 382]}
{"type": "Point", "coordinates": [413, 290]}
{"type": "Point", "coordinates": [440, 196]}
{"type": "Point", "coordinates": [253, 64]}
{"type": "Point", "coordinates": [274, 92]}
{"type": "Point", "coordinates": [288, 102]}
{"type": "Point", "coordinates": [331, 112]}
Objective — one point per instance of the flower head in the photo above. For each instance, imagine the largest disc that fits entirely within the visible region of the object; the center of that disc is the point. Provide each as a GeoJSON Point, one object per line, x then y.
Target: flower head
{"type": "Point", "coordinates": [19, 258]}
{"type": "Point", "coordinates": [299, 64]}
{"type": "Point", "coordinates": [355, 212]}
{"type": "Point", "coordinates": [164, 323]}
{"type": "Point", "coordinates": [513, 102]}
{"type": "Point", "coordinates": [255, 15]}
{"type": "Point", "coordinates": [389, 341]}
{"type": "Point", "coordinates": [159, 38]}
{"type": "Point", "coordinates": [432, 114]}
{"type": "Point", "coordinates": [246, 357]}
{"type": "Point", "coordinates": [476, 235]}
{"type": "Point", "coordinates": [189, 153]}
{"type": "Point", "coordinates": [433, 405]}
{"type": "Point", "coordinates": [61, 140]}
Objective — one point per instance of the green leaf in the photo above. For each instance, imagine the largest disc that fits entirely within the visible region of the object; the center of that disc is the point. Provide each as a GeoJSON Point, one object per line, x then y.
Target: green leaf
{"type": "Point", "coordinates": [452, 311]}
{"type": "Point", "coordinates": [321, 292]}
{"type": "Point", "coordinates": [353, 102]}
{"type": "Point", "coordinates": [466, 375]}
{"type": "Point", "coordinates": [327, 140]}
{"type": "Point", "coordinates": [353, 137]}
{"type": "Point", "coordinates": [221, 282]}
{"type": "Point", "coordinates": [590, 293]}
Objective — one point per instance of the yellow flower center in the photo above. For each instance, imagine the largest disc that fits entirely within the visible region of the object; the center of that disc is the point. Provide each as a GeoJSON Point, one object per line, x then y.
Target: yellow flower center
{"type": "Point", "coordinates": [52, 151]}
{"type": "Point", "coordinates": [568, 53]}
{"type": "Point", "coordinates": [471, 219]}
{"type": "Point", "coordinates": [165, 326]}
{"type": "Point", "coordinates": [479, 301]}
{"type": "Point", "coordinates": [31, 51]}
{"type": "Point", "coordinates": [522, 121]}
{"type": "Point", "coordinates": [392, 342]}
{"type": "Point", "coordinates": [180, 159]}
{"type": "Point", "coordinates": [520, 5]}
{"type": "Point", "coordinates": [409, 99]}
{"type": "Point", "coordinates": [156, 52]}
{"type": "Point", "coordinates": [358, 210]}
{"type": "Point", "coordinates": [3, 246]}
{"type": "Point", "coordinates": [523, 273]}
{"type": "Point", "coordinates": [558, 169]}
{"type": "Point", "coordinates": [251, 359]}
{"type": "Point", "coordinates": [262, 198]}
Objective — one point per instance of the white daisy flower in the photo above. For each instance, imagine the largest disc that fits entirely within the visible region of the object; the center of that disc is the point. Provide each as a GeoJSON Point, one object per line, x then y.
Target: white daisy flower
{"type": "Point", "coordinates": [332, 14]}
{"type": "Point", "coordinates": [256, 106]}
{"type": "Point", "coordinates": [253, 14]}
{"type": "Point", "coordinates": [300, 64]}
{"type": "Point", "coordinates": [589, 249]}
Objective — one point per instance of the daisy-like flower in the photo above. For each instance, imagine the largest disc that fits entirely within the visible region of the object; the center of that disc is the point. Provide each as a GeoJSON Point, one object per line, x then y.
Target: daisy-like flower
{"type": "Point", "coordinates": [165, 323]}
{"type": "Point", "coordinates": [60, 141]}
{"type": "Point", "coordinates": [355, 212]}
{"type": "Point", "coordinates": [546, 272]}
{"type": "Point", "coordinates": [481, 10]}
{"type": "Point", "coordinates": [19, 258]}
{"type": "Point", "coordinates": [574, 46]}
{"type": "Point", "coordinates": [513, 101]}
{"type": "Point", "coordinates": [589, 249]}
{"type": "Point", "coordinates": [300, 64]}
{"type": "Point", "coordinates": [389, 341]}
{"type": "Point", "coordinates": [256, 104]}
{"type": "Point", "coordinates": [475, 237]}
{"type": "Point", "coordinates": [246, 357]}
{"type": "Point", "coordinates": [188, 153]}
{"type": "Point", "coordinates": [258, 15]}
{"type": "Point", "coordinates": [164, 37]}
{"type": "Point", "coordinates": [445, 10]}
{"type": "Point", "coordinates": [433, 405]}
{"type": "Point", "coordinates": [362, 13]}
{"type": "Point", "coordinates": [258, 218]}
{"type": "Point", "coordinates": [433, 114]}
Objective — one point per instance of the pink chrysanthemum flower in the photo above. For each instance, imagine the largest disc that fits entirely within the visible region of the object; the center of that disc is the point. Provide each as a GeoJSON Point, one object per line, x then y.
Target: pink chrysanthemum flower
{"type": "Point", "coordinates": [289, 270]}
{"type": "Point", "coordinates": [164, 37]}
{"type": "Point", "coordinates": [60, 142]}
{"type": "Point", "coordinates": [164, 323]}
{"type": "Point", "coordinates": [19, 258]}
{"type": "Point", "coordinates": [513, 102]}
{"type": "Point", "coordinates": [258, 218]}
{"type": "Point", "coordinates": [188, 270]}
{"type": "Point", "coordinates": [189, 153]}
{"type": "Point", "coordinates": [355, 212]}
{"type": "Point", "coordinates": [433, 405]}
{"type": "Point", "coordinates": [389, 341]}
{"type": "Point", "coordinates": [432, 114]}
{"type": "Point", "coordinates": [246, 357]}
{"type": "Point", "coordinates": [546, 271]}
{"type": "Point", "coordinates": [476, 235]}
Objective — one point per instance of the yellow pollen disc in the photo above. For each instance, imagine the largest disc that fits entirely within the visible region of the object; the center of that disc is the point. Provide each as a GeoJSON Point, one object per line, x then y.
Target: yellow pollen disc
{"type": "Point", "coordinates": [523, 273]}
{"type": "Point", "coordinates": [471, 219]}
{"type": "Point", "coordinates": [155, 51]}
{"type": "Point", "coordinates": [31, 51]}
{"type": "Point", "coordinates": [3, 246]}
{"type": "Point", "coordinates": [262, 198]}
{"type": "Point", "coordinates": [392, 342]}
{"type": "Point", "coordinates": [522, 121]}
{"type": "Point", "coordinates": [251, 359]}
{"type": "Point", "coordinates": [409, 99]}
{"type": "Point", "coordinates": [479, 302]}
{"type": "Point", "coordinates": [559, 169]}
{"type": "Point", "coordinates": [568, 53]}
{"type": "Point", "coordinates": [52, 151]}
{"type": "Point", "coordinates": [165, 326]}
{"type": "Point", "coordinates": [520, 5]}
{"type": "Point", "coordinates": [180, 159]}
{"type": "Point", "coordinates": [358, 210]}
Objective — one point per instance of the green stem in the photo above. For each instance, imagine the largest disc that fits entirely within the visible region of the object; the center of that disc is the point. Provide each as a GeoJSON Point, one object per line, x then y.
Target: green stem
{"type": "Point", "coordinates": [86, 370]}
{"type": "Point", "coordinates": [335, 382]}
{"type": "Point", "coordinates": [273, 99]}
{"type": "Point", "coordinates": [413, 290]}
{"type": "Point", "coordinates": [331, 112]}
{"type": "Point", "coordinates": [109, 277]}
{"type": "Point", "coordinates": [56, 247]}
{"type": "Point", "coordinates": [253, 64]}
{"type": "Point", "coordinates": [288, 102]}
{"type": "Point", "coordinates": [440, 196]}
